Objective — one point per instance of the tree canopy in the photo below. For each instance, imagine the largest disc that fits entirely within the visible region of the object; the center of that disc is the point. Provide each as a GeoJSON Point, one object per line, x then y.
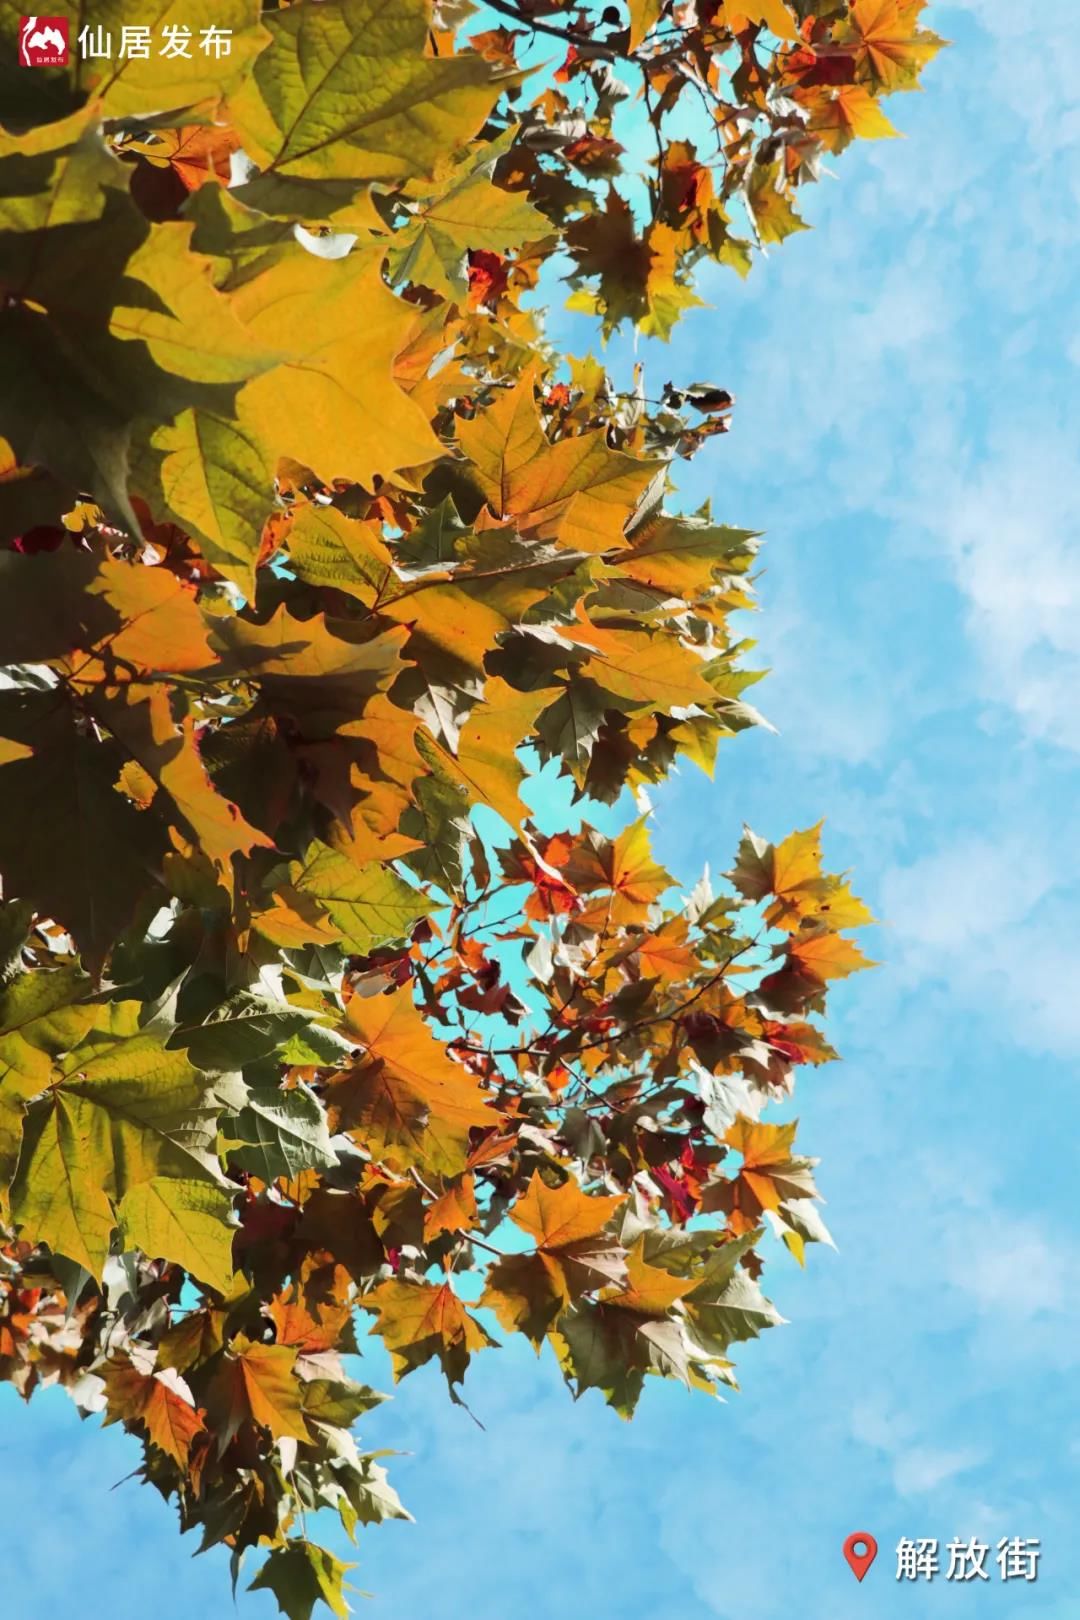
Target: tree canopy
{"type": "Point", "coordinates": [311, 547]}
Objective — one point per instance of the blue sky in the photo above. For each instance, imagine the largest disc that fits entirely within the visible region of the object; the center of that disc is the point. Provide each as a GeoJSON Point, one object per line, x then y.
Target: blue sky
{"type": "Point", "coordinates": [904, 434]}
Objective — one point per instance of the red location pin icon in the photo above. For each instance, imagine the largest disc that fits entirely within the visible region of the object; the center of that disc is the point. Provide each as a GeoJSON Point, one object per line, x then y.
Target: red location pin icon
{"type": "Point", "coordinates": [860, 1550]}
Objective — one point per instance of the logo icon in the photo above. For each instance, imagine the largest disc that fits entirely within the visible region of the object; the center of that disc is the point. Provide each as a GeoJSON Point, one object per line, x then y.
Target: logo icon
{"type": "Point", "coordinates": [43, 42]}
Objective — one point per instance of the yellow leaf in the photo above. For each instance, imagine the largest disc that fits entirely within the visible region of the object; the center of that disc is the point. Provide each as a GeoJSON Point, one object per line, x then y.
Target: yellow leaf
{"type": "Point", "coordinates": [486, 764]}
{"type": "Point", "coordinates": [257, 1381]}
{"type": "Point", "coordinates": [841, 115]}
{"type": "Point", "coordinates": [771, 14]}
{"type": "Point", "coordinates": [419, 1320]}
{"type": "Point", "coordinates": [141, 718]}
{"type": "Point", "coordinates": [828, 956]}
{"type": "Point", "coordinates": [644, 16]}
{"type": "Point", "coordinates": [557, 1216]}
{"type": "Point", "coordinates": [651, 1291]}
{"type": "Point", "coordinates": [405, 1101]}
{"type": "Point", "coordinates": [133, 85]}
{"type": "Point", "coordinates": [577, 491]}
{"type": "Point", "coordinates": [187, 1222]}
{"type": "Point", "coordinates": [349, 91]}
{"type": "Point", "coordinates": [453, 1211]}
{"type": "Point", "coordinates": [333, 404]}
{"type": "Point", "coordinates": [891, 48]}
{"type": "Point", "coordinates": [651, 670]}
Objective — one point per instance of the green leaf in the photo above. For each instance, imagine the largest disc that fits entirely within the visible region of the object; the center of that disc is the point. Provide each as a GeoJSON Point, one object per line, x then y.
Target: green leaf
{"type": "Point", "coordinates": [243, 1029]}
{"type": "Point", "coordinates": [121, 1109]}
{"type": "Point", "coordinates": [187, 1222]}
{"type": "Point", "coordinates": [370, 904]}
{"type": "Point", "coordinates": [467, 212]}
{"type": "Point", "coordinates": [282, 1132]}
{"type": "Point", "coordinates": [300, 1575]}
{"type": "Point", "coordinates": [209, 472]}
{"type": "Point", "coordinates": [346, 91]}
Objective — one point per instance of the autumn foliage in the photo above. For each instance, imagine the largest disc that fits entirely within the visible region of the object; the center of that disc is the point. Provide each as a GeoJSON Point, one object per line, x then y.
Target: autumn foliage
{"type": "Point", "coordinates": [305, 533]}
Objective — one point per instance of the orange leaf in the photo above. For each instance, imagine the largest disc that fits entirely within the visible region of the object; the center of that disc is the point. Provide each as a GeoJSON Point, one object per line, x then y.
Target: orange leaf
{"type": "Point", "coordinates": [160, 1401]}
{"type": "Point", "coordinates": [558, 1216]}
{"type": "Point", "coordinates": [256, 1382]}
{"type": "Point", "coordinates": [455, 1211]}
{"type": "Point", "coordinates": [406, 1101]}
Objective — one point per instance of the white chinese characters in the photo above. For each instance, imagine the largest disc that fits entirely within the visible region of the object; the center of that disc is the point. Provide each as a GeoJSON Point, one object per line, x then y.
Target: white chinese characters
{"type": "Point", "coordinates": [138, 44]}
{"type": "Point", "coordinates": [1017, 1559]}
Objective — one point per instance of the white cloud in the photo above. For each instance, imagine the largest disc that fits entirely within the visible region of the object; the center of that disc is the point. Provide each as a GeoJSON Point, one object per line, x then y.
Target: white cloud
{"type": "Point", "coordinates": [924, 1468]}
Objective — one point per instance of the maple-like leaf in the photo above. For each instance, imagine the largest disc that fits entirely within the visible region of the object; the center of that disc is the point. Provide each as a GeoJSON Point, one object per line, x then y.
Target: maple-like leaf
{"type": "Point", "coordinates": [466, 212]}
{"type": "Point", "coordinates": [121, 1110]}
{"type": "Point", "coordinates": [405, 1101]}
{"type": "Point", "coordinates": [160, 1401]}
{"type": "Point", "coordinates": [369, 904]}
{"type": "Point", "coordinates": [301, 1574]}
{"type": "Point", "coordinates": [891, 49]}
{"type": "Point", "coordinates": [345, 416]}
{"type": "Point", "coordinates": [256, 1383]}
{"type": "Point", "coordinates": [527, 1292]}
{"type": "Point", "coordinates": [417, 1321]}
{"type": "Point", "coordinates": [578, 491]}
{"type": "Point", "coordinates": [791, 872]}
{"type": "Point", "coordinates": [348, 93]}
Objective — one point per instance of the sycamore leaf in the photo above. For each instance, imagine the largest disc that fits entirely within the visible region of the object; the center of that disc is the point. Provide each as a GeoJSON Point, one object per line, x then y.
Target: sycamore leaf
{"type": "Point", "coordinates": [79, 851]}
{"type": "Point", "coordinates": [121, 1110]}
{"type": "Point", "coordinates": [771, 14]}
{"type": "Point", "coordinates": [132, 84]}
{"type": "Point", "coordinates": [405, 1101]}
{"type": "Point", "coordinates": [328, 548]}
{"type": "Point", "coordinates": [644, 16]}
{"type": "Point", "coordinates": [528, 1291]}
{"type": "Point", "coordinates": [726, 1305]}
{"type": "Point", "coordinates": [187, 1222]}
{"type": "Point", "coordinates": [300, 1574]}
{"type": "Point", "coordinates": [641, 667]}
{"type": "Point", "coordinates": [349, 92]}
{"type": "Point", "coordinates": [281, 1133]}
{"type": "Point", "coordinates": [141, 718]}
{"type": "Point", "coordinates": [825, 955]}
{"type": "Point", "coordinates": [637, 276]}
{"type": "Point", "coordinates": [485, 764]}
{"type": "Point", "coordinates": [791, 873]}
{"type": "Point", "coordinates": [600, 1346]}
{"type": "Point", "coordinates": [684, 557]}
{"type": "Point", "coordinates": [891, 48]}
{"type": "Point", "coordinates": [368, 904]}
{"type": "Point", "coordinates": [41, 1016]}
{"type": "Point", "coordinates": [417, 1321]}
{"type": "Point", "coordinates": [196, 153]}
{"type": "Point", "coordinates": [160, 1401]}
{"type": "Point", "coordinates": [318, 673]}
{"type": "Point", "coordinates": [256, 1383]}
{"type": "Point", "coordinates": [333, 403]}
{"type": "Point", "coordinates": [215, 477]}
{"type": "Point", "coordinates": [846, 113]}
{"type": "Point", "coordinates": [454, 1210]}
{"type": "Point", "coordinates": [577, 491]}
{"type": "Point", "coordinates": [467, 212]}
{"type": "Point", "coordinates": [650, 1290]}
{"type": "Point", "coordinates": [194, 1339]}
{"type": "Point", "coordinates": [622, 872]}
{"type": "Point", "coordinates": [557, 1216]}
{"type": "Point", "coordinates": [772, 209]}
{"type": "Point", "coordinates": [241, 1029]}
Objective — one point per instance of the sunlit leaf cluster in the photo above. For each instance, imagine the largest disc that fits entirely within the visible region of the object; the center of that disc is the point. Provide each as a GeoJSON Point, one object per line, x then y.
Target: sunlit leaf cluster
{"type": "Point", "coordinates": [311, 549]}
